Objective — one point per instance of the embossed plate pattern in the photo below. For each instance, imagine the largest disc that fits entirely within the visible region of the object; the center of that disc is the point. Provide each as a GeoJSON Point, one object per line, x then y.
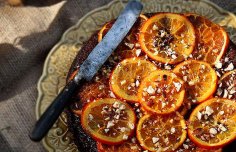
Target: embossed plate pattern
{"type": "Point", "coordinates": [61, 56]}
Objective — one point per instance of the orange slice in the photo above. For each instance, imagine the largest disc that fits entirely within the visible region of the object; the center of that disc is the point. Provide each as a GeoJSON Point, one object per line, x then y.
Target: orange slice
{"type": "Point", "coordinates": [104, 30]}
{"type": "Point", "coordinates": [129, 46]}
{"type": "Point", "coordinates": [212, 39]}
{"type": "Point", "coordinates": [200, 77]}
{"type": "Point", "coordinates": [189, 146]}
{"type": "Point", "coordinates": [230, 74]}
{"type": "Point", "coordinates": [129, 146]}
{"type": "Point", "coordinates": [161, 132]}
{"type": "Point", "coordinates": [94, 89]}
{"type": "Point", "coordinates": [161, 92]}
{"type": "Point", "coordinates": [167, 38]}
{"type": "Point", "coordinates": [212, 123]}
{"type": "Point", "coordinates": [227, 85]}
{"type": "Point", "coordinates": [108, 120]}
{"type": "Point", "coordinates": [128, 75]}
{"type": "Point", "coordinates": [134, 30]}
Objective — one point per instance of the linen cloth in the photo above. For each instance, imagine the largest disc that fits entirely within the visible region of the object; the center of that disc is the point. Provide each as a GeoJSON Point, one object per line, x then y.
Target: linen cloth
{"type": "Point", "coordinates": [27, 33]}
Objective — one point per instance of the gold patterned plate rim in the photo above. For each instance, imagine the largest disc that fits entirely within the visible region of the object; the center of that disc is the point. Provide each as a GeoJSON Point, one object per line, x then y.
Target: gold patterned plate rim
{"type": "Point", "coordinates": [229, 23]}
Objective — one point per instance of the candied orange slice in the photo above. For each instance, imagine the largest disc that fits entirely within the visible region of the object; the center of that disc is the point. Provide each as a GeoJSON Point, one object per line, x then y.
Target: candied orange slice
{"type": "Point", "coordinates": [108, 25]}
{"type": "Point", "coordinates": [128, 75]}
{"type": "Point", "coordinates": [227, 85]}
{"type": "Point", "coordinates": [161, 92]}
{"type": "Point", "coordinates": [200, 77]}
{"type": "Point", "coordinates": [108, 120]}
{"type": "Point", "coordinates": [161, 132]}
{"type": "Point", "coordinates": [94, 89]}
{"type": "Point", "coordinates": [129, 146]}
{"type": "Point", "coordinates": [212, 123]}
{"type": "Point", "coordinates": [129, 46]}
{"type": "Point", "coordinates": [135, 31]}
{"type": "Point", "coordinates": [212, 39]}
{"type": "Point", "coordinates": [104, 30]}
{"type": "Point", "coordinates": [167, 38]}
{"type": "Point", "coordinates": [230, 74]}
{"type": "Point", "coordinates": [189, 146]}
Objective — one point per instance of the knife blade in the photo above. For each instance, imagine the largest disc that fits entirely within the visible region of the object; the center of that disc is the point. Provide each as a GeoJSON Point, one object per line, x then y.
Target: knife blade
{"type": "Point", "coordinates": [110, 41]}
{"type": "Point", "coordinates": [89, 67]}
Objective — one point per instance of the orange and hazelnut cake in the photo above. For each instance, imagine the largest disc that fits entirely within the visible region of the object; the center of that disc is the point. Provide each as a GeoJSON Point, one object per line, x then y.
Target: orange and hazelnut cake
{"type": "Point", "coordinates": [169, 86]}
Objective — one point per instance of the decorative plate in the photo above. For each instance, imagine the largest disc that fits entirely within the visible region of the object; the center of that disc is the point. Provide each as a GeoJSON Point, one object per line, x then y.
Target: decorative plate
{"type": "Point", "coordinates": [61, 56]}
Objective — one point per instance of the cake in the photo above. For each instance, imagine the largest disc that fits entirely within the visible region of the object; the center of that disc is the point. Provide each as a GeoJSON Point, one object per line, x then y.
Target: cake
{"type": "Point", "coordinates": [147, 74]}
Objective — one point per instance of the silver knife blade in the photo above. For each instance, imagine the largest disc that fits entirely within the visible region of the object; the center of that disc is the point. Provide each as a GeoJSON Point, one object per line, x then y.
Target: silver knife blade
{"type": "Point", "coordinates": [109, 43]}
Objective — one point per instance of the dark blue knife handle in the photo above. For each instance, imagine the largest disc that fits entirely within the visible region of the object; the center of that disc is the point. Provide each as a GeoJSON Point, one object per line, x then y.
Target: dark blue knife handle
{"type": "Point", "coordinates": [52, 113]}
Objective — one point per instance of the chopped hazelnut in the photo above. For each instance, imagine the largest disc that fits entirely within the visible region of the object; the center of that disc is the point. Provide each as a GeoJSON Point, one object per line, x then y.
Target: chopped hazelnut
{"type": "Point", "coordinates": [229, 67]}
{"type": "Point", "coordinates": [213, 131]}
{"type": "Point", "coordinates": [155, 140]}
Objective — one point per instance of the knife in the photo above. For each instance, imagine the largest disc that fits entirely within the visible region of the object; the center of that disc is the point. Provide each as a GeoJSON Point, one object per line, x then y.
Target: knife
{"type": "Point", "coordinates": [89, 67]}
